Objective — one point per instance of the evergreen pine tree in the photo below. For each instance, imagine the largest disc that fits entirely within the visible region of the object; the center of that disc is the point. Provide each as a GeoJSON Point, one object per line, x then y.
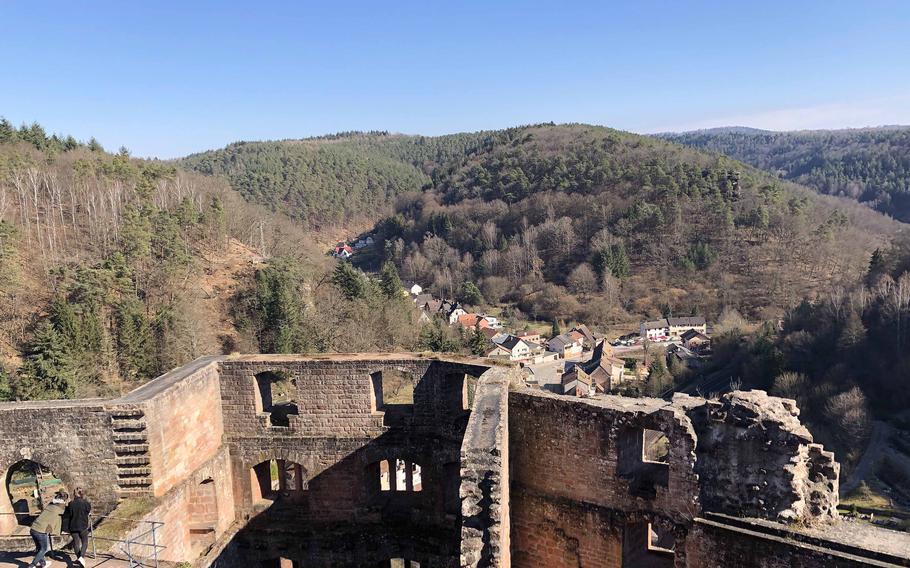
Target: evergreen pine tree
{"type": "Point", "coordinates": [389, 282]}
{"type": "Point", "coordinates": [555, 329]}
{"type": "Point", "coordinates": [7, 132]}
{"type": "Point", "coordinates": [477, 342]}
{"type": "Point", "coordinates": [349, 281]}
{"type": "Point", "coordinates": [470, 294]}
{"type": "Point", "coordinates": [279, 309]}
{"type": "Point", "coordinates": [134, 340]}
{"type": "Point", "coordinates": [135, 234]}
{"type": "Point", "coordinates": [47, 372]}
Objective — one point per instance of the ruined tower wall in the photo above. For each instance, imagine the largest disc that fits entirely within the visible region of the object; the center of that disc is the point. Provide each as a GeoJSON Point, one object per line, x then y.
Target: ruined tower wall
{"type": "Point", "coordinates": [184, 427]}
{"type": "Point", "coordinates": [575, 449]}
{"type": "Point", "coordinates": [342, 428]}
{"type": "Point", "coordinates": [579, 480]}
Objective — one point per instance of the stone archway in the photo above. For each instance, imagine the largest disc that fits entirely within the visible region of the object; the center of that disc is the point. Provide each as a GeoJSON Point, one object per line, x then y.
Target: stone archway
{"type": "Point", "coordinates": [28, 486]}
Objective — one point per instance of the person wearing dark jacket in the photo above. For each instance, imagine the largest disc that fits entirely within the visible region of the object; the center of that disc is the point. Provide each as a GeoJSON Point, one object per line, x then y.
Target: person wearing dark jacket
{"type": "Point", "coordinates": [46, 525]}
{"type": "Point", "coordinates": [76, 519]}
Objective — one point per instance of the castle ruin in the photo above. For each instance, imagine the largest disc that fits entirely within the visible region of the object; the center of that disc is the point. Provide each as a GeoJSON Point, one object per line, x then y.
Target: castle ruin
{"type": "Point", "coordinates": [435, 461]}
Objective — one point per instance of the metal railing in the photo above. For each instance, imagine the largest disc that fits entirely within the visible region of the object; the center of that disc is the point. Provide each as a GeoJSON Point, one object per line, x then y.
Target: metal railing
{"type": "Point", "coordinates": [137, 552]}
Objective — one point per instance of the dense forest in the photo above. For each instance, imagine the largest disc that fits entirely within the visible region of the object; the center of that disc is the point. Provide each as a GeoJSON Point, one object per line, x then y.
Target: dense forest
{"type": "Point", "coordinates": [870, 165]}
{"type": "Point", "coordinates": [330, 179]}
{"type": "Point", "coordinates": [593, 224]}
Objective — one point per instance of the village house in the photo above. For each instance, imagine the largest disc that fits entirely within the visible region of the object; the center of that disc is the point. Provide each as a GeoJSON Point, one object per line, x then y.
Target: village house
{"type": "Point", "coordinates": [431, 307]}
{"type": "Point", "coordinates": [470, 321]}
{"type": "Point", "coordinates": [343, 250]}
{"type": "Point", "coordinates": [412, 288]}
{"type": "Point", "coordinates": [493, 321]}
{"type": "Point", "coordinates": [363, 243]}
{"type": "Point", "coordinates": [590, 339]}
{"type": "Point", "coordinates": [567, 344]}
{"type": "Point", "coordinates": [530, 336]}
{"type": "Point", "coordinates": [602, 373]}
{"type": "Point", "coordinates": [671, 329]}
{"type": "Point", "coordinates": [678, 326]}
{"type": "Point", "coordinates": [517, 348]}
{"type": "Point", "coordinates": [452, 312]}
{"type": "Point", "coordinates": [655, 330]}
{"type": "Point", "coordinates": [695, 340]}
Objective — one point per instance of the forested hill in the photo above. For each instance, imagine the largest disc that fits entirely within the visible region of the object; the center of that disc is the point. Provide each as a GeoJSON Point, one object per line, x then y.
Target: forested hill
{"type": "Point", "coordinates": [113, 269]}
{"type": "Point", "coordinates": [591, 223]}
{"type": "Point", "coordinates": [332, 178]}
{"type": "Point", "coordinates": [869, 165]}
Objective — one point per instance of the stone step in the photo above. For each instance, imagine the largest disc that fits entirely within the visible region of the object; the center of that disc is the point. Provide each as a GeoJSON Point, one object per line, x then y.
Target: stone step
{"type": "Point", "coordinates": [130, 437]}
{"type": "Point", "coordinates": [134, 492]}
{"type": "Point", "coordinates": [127, 424]}
{"type": "Point", "coordinates": [126, 472]}
{"type": "Point", "coordinates": [125, 482]}
{"type": "Point", "coordinates": [126, 413]}
{"type": "Point", "coordinates": [122, 449]}
{"type": "Point", "coordinates": [132, 460]}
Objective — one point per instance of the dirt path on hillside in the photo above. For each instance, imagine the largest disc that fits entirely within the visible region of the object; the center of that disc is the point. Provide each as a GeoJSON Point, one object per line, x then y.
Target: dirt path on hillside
{"type": "Point", "coordinates": [878, 442]}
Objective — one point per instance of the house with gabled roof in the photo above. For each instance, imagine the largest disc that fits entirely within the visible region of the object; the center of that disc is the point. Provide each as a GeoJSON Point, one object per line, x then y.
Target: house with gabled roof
{"type": "Point", "coordinates": [343, 250]}
{"type": "Point", "coordinates": [655, 330]}
{"type": "Point", "coordinates": [517, 348]}
{"type": "Point", "coordinates": [567, 344]}
{"type": "Point", "coordinates": [678, 326]}
{"type": "Point", "coordinates": [695, 340]}
{"type": "Point", "coordinates": [602, 373]}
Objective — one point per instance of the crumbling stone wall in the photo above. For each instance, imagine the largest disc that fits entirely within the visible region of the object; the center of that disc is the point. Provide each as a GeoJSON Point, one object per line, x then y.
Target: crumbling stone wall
{"type": "Point", "coordinates": [485, 482]}
{"type": "Point", "coordinates": [755, 459]}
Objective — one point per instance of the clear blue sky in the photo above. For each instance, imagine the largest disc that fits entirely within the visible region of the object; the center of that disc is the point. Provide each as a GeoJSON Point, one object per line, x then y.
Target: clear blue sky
{"type": "Point", "coordinates": [168, 78]}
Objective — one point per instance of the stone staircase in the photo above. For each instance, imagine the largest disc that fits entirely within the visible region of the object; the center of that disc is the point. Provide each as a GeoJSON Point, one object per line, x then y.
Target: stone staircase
{"type": "Point", "coordinates": [134, 474]}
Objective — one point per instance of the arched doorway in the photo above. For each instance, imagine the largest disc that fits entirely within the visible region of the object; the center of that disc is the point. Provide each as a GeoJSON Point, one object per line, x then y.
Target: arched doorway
{"type": "Point", "coordinates": [29, 487]}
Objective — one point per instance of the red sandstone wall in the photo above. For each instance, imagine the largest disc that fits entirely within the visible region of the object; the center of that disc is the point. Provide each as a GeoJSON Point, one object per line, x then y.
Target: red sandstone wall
{"type": "Point", "coordinates": [184, 427]}
{"type": "Point", "coordinates": [560, 535]}
{"type": "Point", "coordinates": [176, 510]}
{"type": "Point", "coordinates": [567, 448]}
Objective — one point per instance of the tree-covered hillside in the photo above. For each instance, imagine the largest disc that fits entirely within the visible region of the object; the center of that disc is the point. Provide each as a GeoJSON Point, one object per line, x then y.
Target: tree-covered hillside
{"type": "Point", "coordinates": [333, 178]}
{"type": "Point", "coordinates": [600, 225]}
{"type": "Point", "coordinates": [869, 165]}
{"type": "Point", "coordinates": [114, 270]}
